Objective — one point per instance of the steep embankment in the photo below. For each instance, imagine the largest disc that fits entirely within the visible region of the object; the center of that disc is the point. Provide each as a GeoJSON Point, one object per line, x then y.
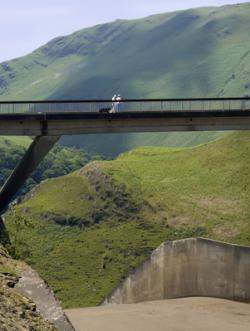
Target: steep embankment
{"type": "Point", "coordinates": [84, 232]}
{"type": "Point", "coordinates": [193, 53]}
{"type": "Point", "coordinates": [17, 312]}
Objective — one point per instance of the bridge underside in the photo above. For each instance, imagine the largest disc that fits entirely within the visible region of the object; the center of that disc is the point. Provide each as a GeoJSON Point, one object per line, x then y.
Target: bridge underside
{"type": "Point", "coordinates": [57, 124]}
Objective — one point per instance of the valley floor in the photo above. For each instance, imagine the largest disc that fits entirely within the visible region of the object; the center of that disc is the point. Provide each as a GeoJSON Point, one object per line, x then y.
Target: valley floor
{"type": "Point", "coordinates": [187, 314]}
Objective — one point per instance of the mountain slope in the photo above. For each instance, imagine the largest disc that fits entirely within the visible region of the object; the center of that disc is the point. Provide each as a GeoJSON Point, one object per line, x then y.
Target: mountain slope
{"type": "Point", "coordinates": [85, 231]}
{"type": "Point", "coordinates": [197, 52]}
{"type": "Point", "coordinates": [192, 53]}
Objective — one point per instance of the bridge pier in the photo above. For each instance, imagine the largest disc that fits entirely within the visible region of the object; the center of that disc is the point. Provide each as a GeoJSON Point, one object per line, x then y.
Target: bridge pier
{"type": "Point", "coordinates": [36, 152]}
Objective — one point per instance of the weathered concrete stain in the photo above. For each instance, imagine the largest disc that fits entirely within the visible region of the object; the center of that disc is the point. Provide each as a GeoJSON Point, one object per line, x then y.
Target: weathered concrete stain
{"type": "Point", "coordinates": [190, 267]}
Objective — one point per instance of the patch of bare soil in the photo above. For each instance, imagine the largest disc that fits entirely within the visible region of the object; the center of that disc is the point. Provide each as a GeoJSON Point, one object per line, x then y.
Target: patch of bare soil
{"type": "Point", "coordinates": [224, 206]}
{"type": "Point", "coordinates": [179, 221]}
{"type": "Point", "coordinates": [226, 231]}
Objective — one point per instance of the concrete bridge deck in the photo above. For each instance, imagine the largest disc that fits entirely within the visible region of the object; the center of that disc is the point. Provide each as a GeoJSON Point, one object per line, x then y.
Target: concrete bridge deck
{"type": "Point", "coordinates": [67, 117]}
{"type": "Point", "coordinates": [63, 123]}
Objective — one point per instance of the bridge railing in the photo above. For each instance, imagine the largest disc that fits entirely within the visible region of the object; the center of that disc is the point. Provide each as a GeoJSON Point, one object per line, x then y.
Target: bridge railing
{"type": "Point", "coordinates": [133, 105]}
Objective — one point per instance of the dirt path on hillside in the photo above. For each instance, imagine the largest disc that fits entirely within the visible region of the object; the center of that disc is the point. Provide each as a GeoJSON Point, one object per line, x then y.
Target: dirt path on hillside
{"type": "Point", "coordinates": [187, 314]}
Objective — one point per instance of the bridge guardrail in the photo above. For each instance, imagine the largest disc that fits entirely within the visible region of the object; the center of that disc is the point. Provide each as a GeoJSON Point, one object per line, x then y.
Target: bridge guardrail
{"type": "Point", "coordinates": [130, 105]}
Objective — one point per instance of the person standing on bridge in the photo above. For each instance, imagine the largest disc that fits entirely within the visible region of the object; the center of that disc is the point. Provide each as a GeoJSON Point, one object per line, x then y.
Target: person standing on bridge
{"type": "Point", "coordinates": [118, 103]}
{"type": "Point", "coordinates": [112, 110]}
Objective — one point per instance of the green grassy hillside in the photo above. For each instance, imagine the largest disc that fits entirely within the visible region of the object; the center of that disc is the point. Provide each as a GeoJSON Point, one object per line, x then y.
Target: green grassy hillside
{"type": "Point", "coordinates": [192, 53]}
{"type": "Point", "coordinates": [18, 141]}
{"type": "Point", "coordinates": [197, 52]}
{"type": "Point", "coordinates": [84, 232]}
{"type": "Point", "coordinates": [111, 145]}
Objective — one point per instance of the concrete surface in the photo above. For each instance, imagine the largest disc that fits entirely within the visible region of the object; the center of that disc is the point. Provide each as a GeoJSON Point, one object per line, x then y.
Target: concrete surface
{"type": "Point", "coordinates": [188, 314]}
{"type": "Point", "coordinates": [67, 123]}
{"type": "Point", "coordinates": [34, 287]}
{"type": "Point", "coordinates": [186, 268]}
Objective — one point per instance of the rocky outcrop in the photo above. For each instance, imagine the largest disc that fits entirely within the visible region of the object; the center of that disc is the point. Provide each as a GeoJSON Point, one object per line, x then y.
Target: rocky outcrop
{"type": "Point", "coordinates": [17, 312]}
{"type": "Point", "coordinates": [114, 200]}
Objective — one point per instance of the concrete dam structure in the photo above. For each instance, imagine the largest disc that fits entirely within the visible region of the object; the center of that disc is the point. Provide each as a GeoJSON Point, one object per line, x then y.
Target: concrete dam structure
{"type": "Point", "coordinates": [188, 268]}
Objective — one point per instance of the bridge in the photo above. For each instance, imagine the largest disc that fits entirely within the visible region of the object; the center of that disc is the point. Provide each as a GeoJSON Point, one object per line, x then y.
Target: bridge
{"type": "Point", "coordinates": [48, 120]}
{"type": "Point", "coordinates": [51, 118]}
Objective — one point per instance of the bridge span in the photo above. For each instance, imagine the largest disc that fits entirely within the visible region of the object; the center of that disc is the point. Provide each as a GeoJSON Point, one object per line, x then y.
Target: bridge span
{"type": "Point", "coordinates": [48, 120]}
{"type": "Point", "coordinates": [68, 117]}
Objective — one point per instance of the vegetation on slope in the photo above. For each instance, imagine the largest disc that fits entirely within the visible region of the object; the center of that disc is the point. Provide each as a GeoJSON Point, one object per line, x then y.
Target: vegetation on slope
{"type": "Point", "coordinates": [193, 53]}
{"type": "Point", "coordinates": [197, 52]}
{"type": "Point", "coordinates": [60, 161]}
{"type": "Point", "coordinates": [111, 145]}
{"type": "Point", "coordinates": [118, 211]}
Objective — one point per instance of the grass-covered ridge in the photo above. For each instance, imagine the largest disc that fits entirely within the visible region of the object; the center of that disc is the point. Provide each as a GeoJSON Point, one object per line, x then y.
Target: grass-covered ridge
{"type": "Point", "coordinates": [118, 211]}
{"type": "Point", "coordinates": [206, 186]}
{"type": "Point", "coordinates": [196, 52]}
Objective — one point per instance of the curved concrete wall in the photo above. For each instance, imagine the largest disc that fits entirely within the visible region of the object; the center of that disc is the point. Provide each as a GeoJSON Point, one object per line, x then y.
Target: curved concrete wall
{"type": "Point", "coordinates": [190, 267]}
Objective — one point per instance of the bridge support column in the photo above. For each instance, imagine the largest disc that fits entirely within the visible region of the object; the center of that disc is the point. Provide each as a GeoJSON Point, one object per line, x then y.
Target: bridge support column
{"type": "Point", "coordinates": [38, 149]}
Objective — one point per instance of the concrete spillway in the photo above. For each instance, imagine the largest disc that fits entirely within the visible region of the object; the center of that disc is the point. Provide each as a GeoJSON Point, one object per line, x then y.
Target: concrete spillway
{"type": "Point", "coordinates": [186, 268]}
{"type": "Point", "coordinates": [186, 314]}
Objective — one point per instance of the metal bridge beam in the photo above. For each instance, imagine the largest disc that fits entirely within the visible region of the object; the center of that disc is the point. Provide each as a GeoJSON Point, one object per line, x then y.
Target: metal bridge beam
{"type": "Point", "coordinates": [38, 149]}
